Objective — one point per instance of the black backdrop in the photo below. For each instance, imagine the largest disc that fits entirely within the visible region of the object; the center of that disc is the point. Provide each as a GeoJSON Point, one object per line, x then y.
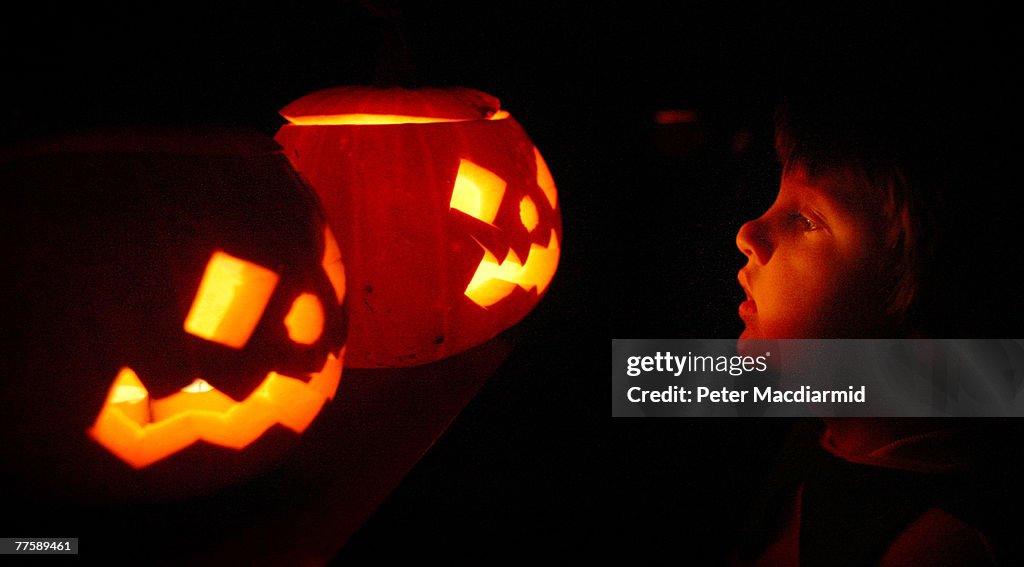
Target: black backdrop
{"type": "Point", "coordinates": [650, 212]}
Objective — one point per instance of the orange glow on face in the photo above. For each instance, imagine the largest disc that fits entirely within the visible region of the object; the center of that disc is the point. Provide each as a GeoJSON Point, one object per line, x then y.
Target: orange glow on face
{"type": "Point", "coordinates": [230, 302]}
{"type": "Point", "coordinates": [815, 261]}
{"type": "Point", "coordinates": [357, 119]}
{"type": "Point", "coordinates": [141, 431]}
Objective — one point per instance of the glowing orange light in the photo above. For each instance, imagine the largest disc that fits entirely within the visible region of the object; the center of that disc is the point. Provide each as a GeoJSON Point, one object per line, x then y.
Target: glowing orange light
{"type": "Point", "coordinates": [305, 320]}
{"type": "Point", "coordinates": [357, 119]}
{"type": "Point", "coordinates": [528, 213]}
{"type": "Point", "coordinates": [493, 281]}
{"type": "Point", "coordinates": [456, 143]}
{"type": "Point", "coordinates": [141, 431]}
{"type": "Point", "coordinates": [230, 302]}
{"type": "Point", "coordinates": [477, 192]}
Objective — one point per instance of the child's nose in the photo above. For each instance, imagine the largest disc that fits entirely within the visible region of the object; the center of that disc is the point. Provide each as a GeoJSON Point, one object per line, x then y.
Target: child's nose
{"type": "Point", "coordinates": [753, 242]}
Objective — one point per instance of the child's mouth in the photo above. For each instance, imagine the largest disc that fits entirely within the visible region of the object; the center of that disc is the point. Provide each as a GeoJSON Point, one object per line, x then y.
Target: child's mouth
{"type": "Point", "coordinates": [748, 308]}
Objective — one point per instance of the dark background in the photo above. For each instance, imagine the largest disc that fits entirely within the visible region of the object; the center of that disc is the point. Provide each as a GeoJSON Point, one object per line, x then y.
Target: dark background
{"type": "Point", "coordinates": [650, 212]}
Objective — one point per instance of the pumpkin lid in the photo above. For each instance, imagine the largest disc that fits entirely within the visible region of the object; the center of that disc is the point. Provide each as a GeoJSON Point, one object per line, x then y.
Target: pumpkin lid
{"type": "Point", "coordinates": [373, 105]}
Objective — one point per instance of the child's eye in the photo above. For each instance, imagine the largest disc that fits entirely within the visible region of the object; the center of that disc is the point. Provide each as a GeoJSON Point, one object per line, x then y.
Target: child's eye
{"type": "Point", "coordinates": [803, 222]}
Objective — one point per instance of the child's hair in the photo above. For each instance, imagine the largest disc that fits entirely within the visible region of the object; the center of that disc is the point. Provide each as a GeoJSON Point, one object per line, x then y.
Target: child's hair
{"type": "Point", "coordinates": [848, 136]}
{"type": "Point", "coordinates": [936, 156]}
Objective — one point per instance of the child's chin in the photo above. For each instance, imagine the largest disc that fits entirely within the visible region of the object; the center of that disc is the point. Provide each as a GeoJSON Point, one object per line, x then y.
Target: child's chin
{"type": "Point", "coordinates": [750, 332]}
{"type": "Point", "coordinates": [749, 341]}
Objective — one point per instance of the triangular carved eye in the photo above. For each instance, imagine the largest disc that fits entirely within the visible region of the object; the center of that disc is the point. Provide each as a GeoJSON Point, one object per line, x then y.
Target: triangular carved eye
{"type": "Point", "coordinates": [230, 301]}
{"type": "Point", "coordinates": [478, 191]}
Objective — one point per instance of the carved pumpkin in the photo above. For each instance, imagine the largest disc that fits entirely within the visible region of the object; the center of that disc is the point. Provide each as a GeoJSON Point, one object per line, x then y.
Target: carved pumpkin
{"type": "Point", "coordinates": [181, 299]}
{"type": "Point", "coordinates": [445, 210]}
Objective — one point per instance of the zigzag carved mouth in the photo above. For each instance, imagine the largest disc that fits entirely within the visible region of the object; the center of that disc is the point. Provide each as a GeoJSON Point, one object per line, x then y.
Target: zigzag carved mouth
{"type": "Point", "coordinates": [141, 431]}
{"type": "Point", "coordinates": [493, 280]}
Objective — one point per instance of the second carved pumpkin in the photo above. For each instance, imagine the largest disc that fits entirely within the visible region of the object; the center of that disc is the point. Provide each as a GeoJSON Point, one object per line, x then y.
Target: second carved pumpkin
{"type": "Point", "coordinates": [178, 301]}
{"type": "Point", "coordinates": [446, 213]}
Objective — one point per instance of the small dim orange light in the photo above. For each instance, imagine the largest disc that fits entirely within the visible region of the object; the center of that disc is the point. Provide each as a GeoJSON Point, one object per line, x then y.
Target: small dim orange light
{"type": "Point", "coordinates": [675, 116]}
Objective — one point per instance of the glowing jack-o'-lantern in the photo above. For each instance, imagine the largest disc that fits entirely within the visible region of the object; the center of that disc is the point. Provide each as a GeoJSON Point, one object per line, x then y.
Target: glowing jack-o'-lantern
{"type": "Point", "coordinates": [183, 315]}
{"type": "Point", "coordinates": [446, 212]}
{"type": "Point", "coordinates": [228, 305]}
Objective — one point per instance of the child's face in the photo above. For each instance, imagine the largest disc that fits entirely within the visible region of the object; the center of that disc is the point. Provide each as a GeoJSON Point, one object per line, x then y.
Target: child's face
{"type": "Point", "coordinates": [815, 261]}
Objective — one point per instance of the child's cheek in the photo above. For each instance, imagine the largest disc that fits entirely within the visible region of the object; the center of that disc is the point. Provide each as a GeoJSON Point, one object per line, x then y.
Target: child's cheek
{"type": "Point", "coordinates": [807, 297]}
{"type": "Point", "coordinates": [789, 303]}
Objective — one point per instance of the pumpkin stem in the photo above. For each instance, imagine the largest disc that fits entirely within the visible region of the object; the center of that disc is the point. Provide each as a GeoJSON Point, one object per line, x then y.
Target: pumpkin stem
{"type": "Point", "coordinates": [394, 65]}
